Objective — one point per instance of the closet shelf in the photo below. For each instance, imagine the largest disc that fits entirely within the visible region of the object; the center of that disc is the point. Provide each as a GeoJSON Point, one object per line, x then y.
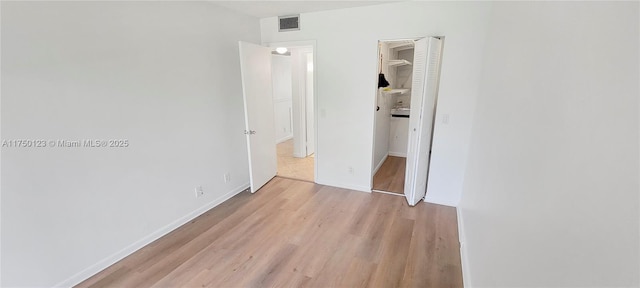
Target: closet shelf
{"type": "Point", "coordinates": [401, 45]}
{"type": "Point", "coordinates": [401, 62]}
{"type": "Point", "coordinates": [396, 91]}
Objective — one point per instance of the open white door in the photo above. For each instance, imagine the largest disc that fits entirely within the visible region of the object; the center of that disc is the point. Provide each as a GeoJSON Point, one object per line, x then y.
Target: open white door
{"type": "Point", "coordinates": [426, 68]}
{"type": "Point", "coordinates": [255, 66]}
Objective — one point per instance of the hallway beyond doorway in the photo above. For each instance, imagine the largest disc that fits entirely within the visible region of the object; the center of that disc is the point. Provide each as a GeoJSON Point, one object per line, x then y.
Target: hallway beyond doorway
{"type": "Point", "coordinates": [292, 167]}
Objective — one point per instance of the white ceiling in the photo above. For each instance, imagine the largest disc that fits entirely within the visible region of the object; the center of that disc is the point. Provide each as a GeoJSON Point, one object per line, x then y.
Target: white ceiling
{"type": "Point", "coordinates": [262, 9]}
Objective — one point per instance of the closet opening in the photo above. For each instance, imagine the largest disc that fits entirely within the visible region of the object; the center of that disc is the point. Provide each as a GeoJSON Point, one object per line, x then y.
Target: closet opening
{"type": "Point", "coordinates": [406, 100]}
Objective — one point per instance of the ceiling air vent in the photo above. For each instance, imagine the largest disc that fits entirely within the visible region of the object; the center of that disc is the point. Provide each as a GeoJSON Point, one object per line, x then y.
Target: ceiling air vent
{"type": "Point", "coordinates": [289, 23]}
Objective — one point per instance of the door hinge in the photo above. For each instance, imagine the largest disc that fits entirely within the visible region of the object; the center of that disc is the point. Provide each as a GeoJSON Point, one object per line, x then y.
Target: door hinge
{"type": "Point", "coordinates": [249, 132]}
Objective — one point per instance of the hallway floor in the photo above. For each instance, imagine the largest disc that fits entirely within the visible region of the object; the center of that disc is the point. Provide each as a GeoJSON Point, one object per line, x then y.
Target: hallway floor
{"type": "Point", "coordinates": [292, 167]}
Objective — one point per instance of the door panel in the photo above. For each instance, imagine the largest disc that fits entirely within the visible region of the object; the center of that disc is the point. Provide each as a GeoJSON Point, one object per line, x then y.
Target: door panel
{"type": "Point", "coordinates": [417, 89]}
{"type": "Point", "coordinates": [428, 112]}
{"type": "Point", "coordinates": [426, 63]}
{"type": "Point", "coordinates": [255, 66]}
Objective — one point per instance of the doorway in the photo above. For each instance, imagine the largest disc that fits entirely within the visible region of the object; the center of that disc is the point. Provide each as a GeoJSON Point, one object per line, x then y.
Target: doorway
{"type": "Point", "coordinates": [406, 102]}
{"type": "Point", "coordinates": [293, 95]}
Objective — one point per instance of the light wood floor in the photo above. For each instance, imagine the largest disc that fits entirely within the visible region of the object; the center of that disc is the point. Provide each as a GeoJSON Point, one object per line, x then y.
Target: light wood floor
{"type": "Point", "coordinates": [390, 176]}
{"type": "Point", "coordinates": [300, 234]}
{"type": "Point", "coordinates": [292, 167]}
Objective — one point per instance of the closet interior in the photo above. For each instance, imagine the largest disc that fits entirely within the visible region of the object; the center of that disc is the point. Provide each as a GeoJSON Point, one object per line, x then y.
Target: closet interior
{"type": "Point", "coordinates": [392, 115]}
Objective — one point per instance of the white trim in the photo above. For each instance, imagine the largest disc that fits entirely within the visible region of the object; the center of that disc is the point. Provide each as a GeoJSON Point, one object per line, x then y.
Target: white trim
{"type": "Point", "coordinates": [112, 259]}
{"type": "Point", "coordinates": [436, 201]}
{"type": "Point", "coordinates": [1, 165]}
{"type": "Point", "coordinates": [398, 154]}
{"type": "Point", "coordinates": [464, 262]}
{"type": "Point", "coordinates": [387, 192]}
{"type": "Point", "coordinates": [290, 44]}
{"type": "Point", "coordinates": [380, 164]}
{"type": "Point", "coordinates": [374, 123]}
{"type": "Point", "coordinates": [281, 100]}
{"type": "Point", "coordinates": [285, 138]}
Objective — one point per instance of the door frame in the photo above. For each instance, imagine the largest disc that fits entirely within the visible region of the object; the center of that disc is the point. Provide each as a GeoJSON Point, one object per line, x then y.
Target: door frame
{"type": "Point", "coordinates": [312, 44]}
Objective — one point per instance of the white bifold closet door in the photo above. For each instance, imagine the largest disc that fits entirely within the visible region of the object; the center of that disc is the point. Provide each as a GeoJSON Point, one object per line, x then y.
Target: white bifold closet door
{"type": "Point", "coordinates": [426, 62]}
{"type": "Point", "coordinates": [255, 66]}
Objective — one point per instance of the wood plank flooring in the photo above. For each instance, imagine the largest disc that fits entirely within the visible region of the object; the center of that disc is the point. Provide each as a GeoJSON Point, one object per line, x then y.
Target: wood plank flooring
{"type": "Point", "coordinates": [299, 234]}
{"type": "Point", "coordinates": [390, 176]}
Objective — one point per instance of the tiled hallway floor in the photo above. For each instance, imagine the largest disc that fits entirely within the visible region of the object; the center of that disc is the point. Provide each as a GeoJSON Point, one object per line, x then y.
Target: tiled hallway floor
{"type": "Point", "coordinates": [292, 167]}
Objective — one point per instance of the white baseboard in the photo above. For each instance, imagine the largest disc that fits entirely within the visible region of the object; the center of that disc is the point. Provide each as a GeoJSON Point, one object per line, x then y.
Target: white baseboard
{"type": "Point", "coordinates": [439, 202]}
{"type": "Point", "coordinates": [104, 263]}
{"type": "Point", "coordinates": [285, 138]}
{"type": "Point", "coordinates": [386, 192]}
{"type": "Point", "coordinates": [380, 164]}
{"type": "Point", "coordinates": [464, 262]}
{"type": "Point", "coordinates": [345, 186]}
{"type": "Point", "coordinates": [398, 154]}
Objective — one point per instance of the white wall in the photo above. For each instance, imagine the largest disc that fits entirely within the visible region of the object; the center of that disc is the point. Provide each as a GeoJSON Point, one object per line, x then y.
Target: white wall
{"type": "Point", "coordinates": [398, 136]}
{"type": "Point", "coordinates": [281, 76]}
{"type": "Point", "coordinates": [382, 110]}
{"type": "Point", "coordinates": [347, 74]}
{"type": "Point", "coordinates": [382, 128]}
{"type": "Point", "coordinates": [309, 102]}
{"type": "Point", "coordinates": [165, 76]}
{"type": "Point", "coordinates": [551, 190]}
